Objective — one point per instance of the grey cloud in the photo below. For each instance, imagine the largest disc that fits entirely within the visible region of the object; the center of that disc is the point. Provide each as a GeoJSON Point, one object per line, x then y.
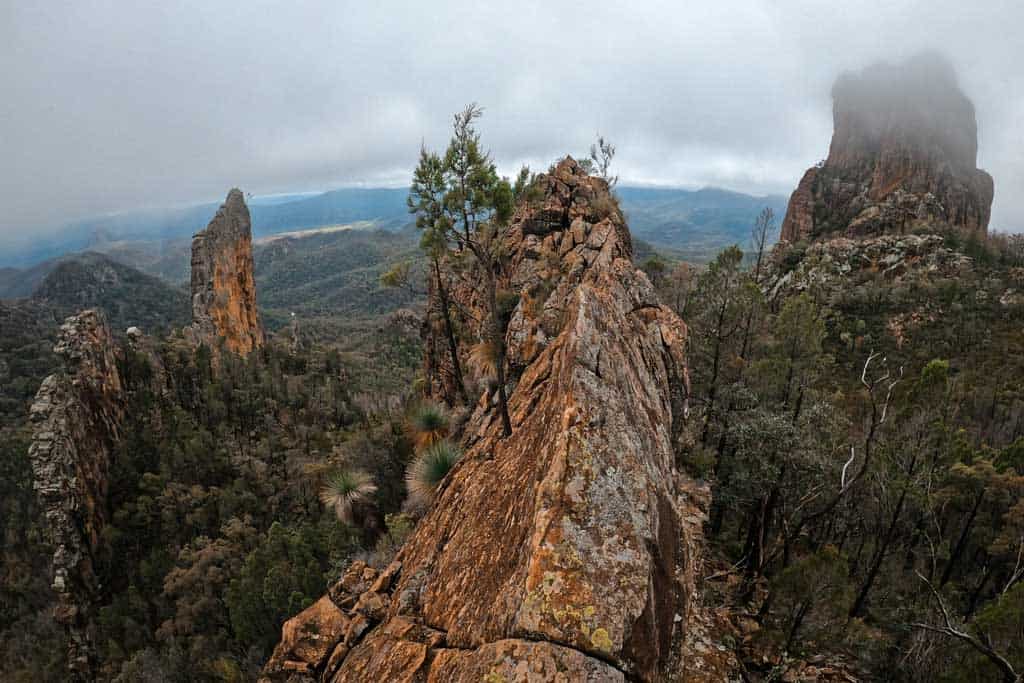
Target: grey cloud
{"type": "Point", "coordinates": [118, 105]}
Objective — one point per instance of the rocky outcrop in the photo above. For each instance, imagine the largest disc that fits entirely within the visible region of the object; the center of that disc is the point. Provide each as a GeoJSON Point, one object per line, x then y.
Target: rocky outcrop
{"type": "Point", "coordinates": [841, 263]}
{"type": "Point", "coordinates": [903, 156]}
{"type": "Point", "coordinates": [223, 285]}
{"type": "Point", "coordinates": [568, 551]}
{"type": "Point", "coordinates": [77, 416]}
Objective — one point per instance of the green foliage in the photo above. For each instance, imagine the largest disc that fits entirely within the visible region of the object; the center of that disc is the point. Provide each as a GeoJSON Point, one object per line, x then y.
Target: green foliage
{"type": "Point", "coordinates": [812, 596]}
{"type": "Point", "coordinates": [507, 302]}
{"type": "Point", "coordinates": [215, 532]}
{"type": "Point", "coordinates": [345, 490]}
{"type": "Point", "coordinates": [127, 296]}
{"type": "Point", "coordinates": [429, 423]}
{"type": "Point", "coordinates": [836, 482]}
{"type": "Point", "coordinates": [429, 469]}
{"type": "Point", "coordinates": [655, 268]}
{"type": "Point", "coordinates": [282, 576]}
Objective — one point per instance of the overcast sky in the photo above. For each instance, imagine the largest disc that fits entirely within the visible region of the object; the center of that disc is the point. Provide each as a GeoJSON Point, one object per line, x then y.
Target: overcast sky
{"type": "Point", "coordinates": [109, 106]}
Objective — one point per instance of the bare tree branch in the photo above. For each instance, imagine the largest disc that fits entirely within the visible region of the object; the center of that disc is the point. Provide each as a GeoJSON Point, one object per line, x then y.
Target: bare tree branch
{"type": "Point", "coordinates": [982, 645]}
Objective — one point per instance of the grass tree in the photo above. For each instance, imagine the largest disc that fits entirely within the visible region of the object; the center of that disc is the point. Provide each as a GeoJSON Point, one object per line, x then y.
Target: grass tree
{"type": "Point", "coordinates": [346, 490]}
{"type": "Point", "coordinates": [428, 424]}
{"type": "Point", "coordinates": [428, 470]}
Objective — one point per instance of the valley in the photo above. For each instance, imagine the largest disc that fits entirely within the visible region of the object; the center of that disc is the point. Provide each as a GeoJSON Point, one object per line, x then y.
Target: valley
{"type": "Point", "coordinates": [535, 428]}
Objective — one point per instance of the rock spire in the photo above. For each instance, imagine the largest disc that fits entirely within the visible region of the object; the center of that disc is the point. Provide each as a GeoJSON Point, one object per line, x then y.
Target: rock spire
{"type": "Point", "coordinates": [903, 156]}
{"type": "Point", "coordinates": [77, 416]}
{"type": "Point", "coordinates": [567, 551]}
{"type": "Point", "coordinates": [223, 283]}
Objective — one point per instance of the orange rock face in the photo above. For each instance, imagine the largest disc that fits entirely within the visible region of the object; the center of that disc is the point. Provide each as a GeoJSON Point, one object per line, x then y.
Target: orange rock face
{"type": "Point", "coordinates": [223, 285]}
{"type": "Point", "coordinates": [903, 156]}
{"type": "Point", "coordinates": [567, 551]}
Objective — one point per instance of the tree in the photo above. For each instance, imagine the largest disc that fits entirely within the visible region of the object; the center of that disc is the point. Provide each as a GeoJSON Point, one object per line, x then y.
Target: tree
{"type": "Point", "coordinates": [762, 232]}
{"type": "Point", "coordinates": [678, 287]}
{"type": "Point", "coordinates": [725, 293]}
{"type": "Point", "coordinates": [426, 200]}
{"type": "Point", "coordinates": [428, 470]}
{"type": "Point", "coordinates": [279, 578]}
{"type": "Point", "coordinates": [799, 333]}
{"type": "Point", "coordinates": [817, 584]}
{"type": "Point", "coordinates": [345, 491]}
{"type": "Point", "coordinates": [602, 152]}
{"type": "Point", "coordinates": [462, 205]}
{"type": "Point", "coordinates": [428, 424]}
{"type": "Point", "coordinates": [1009, 611]}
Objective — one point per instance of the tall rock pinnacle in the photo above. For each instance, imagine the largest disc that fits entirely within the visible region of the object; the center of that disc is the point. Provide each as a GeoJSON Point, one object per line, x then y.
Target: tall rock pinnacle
{"type": "Point", "coordinates": [568, 550]}
{"type": "Point", "coordinates": [903, 155]}
{"type": "Point", "coordinates": [223, 285]}
{"type": "Point", "coordinates": [77, 415]}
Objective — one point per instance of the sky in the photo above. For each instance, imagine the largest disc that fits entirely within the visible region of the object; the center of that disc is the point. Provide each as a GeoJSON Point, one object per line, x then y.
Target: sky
{"type": "Point", "coordinates": [111, 106]}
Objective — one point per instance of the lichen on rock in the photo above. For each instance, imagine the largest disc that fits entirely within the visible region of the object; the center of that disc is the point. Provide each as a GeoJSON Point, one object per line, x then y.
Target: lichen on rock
{"type": "Point", "coordinates": [77, 416]}
{"type": "Point", "coordinates": [565, 551]}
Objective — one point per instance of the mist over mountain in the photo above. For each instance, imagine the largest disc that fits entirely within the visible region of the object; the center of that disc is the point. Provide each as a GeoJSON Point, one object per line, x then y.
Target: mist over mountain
{"type": "Point", "coordinates": [695, 222]}
{"type": "Point", "coordinates": [529, 396]}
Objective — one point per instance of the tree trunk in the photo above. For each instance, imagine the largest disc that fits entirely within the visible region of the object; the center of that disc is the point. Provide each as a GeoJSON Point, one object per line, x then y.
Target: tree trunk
{"type": "Point", "coordinates": [883, 549]}
{"type": "Point", "coordinates": [962, 541]}
{"type": "Point", "coordinates": [498, 339]}
{"type": "Point", "coordinates": [797, 621]}
{"type": "Point", "coordinates": [713, 389]}
{"type": "Point", "coordinates": [453, 348]}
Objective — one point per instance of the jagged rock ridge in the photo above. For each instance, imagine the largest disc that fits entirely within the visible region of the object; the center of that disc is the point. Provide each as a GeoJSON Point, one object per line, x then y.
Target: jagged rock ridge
{"type": "Point", "coordinates": [223, 285]}
{"type": "Point", "coordinates": [76, 417]}
{"type": "Point", "coordinates": [903, 155]}
{"type": "Point", "coordinates": [568, 551]}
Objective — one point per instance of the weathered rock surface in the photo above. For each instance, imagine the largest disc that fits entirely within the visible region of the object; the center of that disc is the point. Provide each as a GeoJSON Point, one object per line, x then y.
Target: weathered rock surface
{"type": "Point", "coordinates": [838, 263]}
{"type": "Point", "coordinates": [568, 551]}
{"type": "Point", "coordinates": [76, 417]}
{"type": "Point", "coordinates": [223, 285]}
{"type": "Point", "coordinates": [903, 155]}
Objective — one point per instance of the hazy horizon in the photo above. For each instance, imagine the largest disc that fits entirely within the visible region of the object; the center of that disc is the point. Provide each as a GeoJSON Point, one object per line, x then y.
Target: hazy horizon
{"type": "Point", "coordinates": [117, 108]}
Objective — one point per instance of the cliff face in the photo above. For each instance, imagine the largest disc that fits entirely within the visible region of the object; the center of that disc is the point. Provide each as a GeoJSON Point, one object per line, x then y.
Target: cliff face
{"type": "Point", "coordinates": [223, 287]}
{"type": "Point", "coordinates": [903, 155]}
{"type": "Point", "coordinates": [77, 415]}
{"type": "Point", "coordinates": [568, 551]}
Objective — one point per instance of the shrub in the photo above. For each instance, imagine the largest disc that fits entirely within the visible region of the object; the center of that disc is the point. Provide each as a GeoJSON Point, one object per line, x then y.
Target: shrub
{"type": "Point", "coordinates": [428, 424]}
{"type": "Point", "coordinates": [428, 470]}
{"type": "Point", "coordinates": [346, 489]}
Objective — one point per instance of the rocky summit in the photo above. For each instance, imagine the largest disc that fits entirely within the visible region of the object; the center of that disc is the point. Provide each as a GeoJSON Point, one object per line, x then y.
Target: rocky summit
{"type": "Point", "coordinates": [223, 285]}
{"type": "Point", "coordinates": [567, 551]}
{"type": "Point", "coordinates": [77, 416]}
{"type": "Point", "coordinates": [903, 156]}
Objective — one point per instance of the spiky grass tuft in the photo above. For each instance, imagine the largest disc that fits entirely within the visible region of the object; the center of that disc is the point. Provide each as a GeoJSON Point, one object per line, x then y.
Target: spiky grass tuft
{"type": "Point", "coordinates": [428, 424]}
{"type": "Point", "coordinates": [346, 489]}
{"type": "Point", "coordinates": [428, 470]}
{"type": "Point", "coordinates": [483, 358]}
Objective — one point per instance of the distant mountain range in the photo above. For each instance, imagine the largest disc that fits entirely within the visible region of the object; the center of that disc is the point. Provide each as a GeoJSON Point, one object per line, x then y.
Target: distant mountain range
{"type": "Point", "coordinates": [693, 223]}
{"type": "Point", "coordinates": [316, 273]}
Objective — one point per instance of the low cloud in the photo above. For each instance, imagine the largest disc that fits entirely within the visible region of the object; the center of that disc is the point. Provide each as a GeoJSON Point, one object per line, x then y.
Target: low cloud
{"type": "Point", "coordinates": [112, 106]}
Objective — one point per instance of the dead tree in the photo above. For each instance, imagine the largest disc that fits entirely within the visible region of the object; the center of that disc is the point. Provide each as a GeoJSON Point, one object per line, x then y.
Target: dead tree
{"type": "Point", "coordinates": [981, 643]}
